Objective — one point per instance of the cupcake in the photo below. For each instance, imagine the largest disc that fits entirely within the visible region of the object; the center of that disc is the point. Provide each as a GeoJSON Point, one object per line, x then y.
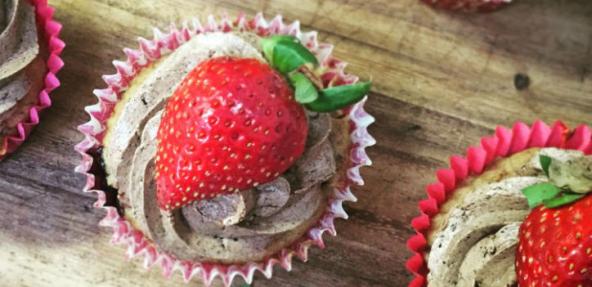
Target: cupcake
{"type": "Point", "coordinates": [29, 50]}
{"type": "Point", "coordinates": [484, 221]}
{"type": "Point", "coordinates": [225, 149]}
{"type": "Point", "coordinates": [468, 5]}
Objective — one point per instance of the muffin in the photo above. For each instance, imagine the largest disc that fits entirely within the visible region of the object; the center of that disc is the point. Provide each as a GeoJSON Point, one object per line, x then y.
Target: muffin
{"type": "Point", "coordinates": [469, 230]}
{"type": "Point", "coordinates": [25, 77]}
{"type": "Point", "coordinates": [468, 5]}
{"type": "Point", "coordinates": [227, 148]}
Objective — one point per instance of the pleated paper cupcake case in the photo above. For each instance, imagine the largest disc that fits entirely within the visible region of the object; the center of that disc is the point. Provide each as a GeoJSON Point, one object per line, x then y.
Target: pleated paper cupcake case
{"type": "Point", "coordinates": [163, 43]}
{"type": "Point", "coordinates": [503, 143]}
{"type": "Point", "coordinates": [51, 28]}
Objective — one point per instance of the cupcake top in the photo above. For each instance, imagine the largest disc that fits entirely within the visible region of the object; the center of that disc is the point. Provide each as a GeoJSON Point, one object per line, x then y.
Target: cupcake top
{"type": "Point", "coordinates": [21, 67]}
{"type": "Point", "coordinates": [473, 239]}
{"type": "Point", "coordinates": [229, 210]}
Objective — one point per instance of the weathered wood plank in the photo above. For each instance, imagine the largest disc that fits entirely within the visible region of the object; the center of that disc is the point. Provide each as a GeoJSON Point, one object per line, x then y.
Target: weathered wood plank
{"type": "Point", "coordinates": [413, 52]}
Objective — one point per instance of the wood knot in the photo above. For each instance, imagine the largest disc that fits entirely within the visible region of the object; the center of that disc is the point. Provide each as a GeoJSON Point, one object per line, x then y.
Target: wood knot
{"type": "Point", "coordinates": [521, 81]}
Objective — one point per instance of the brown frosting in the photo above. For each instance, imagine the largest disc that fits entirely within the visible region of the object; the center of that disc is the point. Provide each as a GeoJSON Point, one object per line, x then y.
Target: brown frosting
{"type": "Point", "coordinates": [246, 226]}
{"type": "Point", "coordinates": [18, 41]}
{"type": "Point", "coordinates": [21, 68]}
{"type": "Point", "coordinates": [231, 228]}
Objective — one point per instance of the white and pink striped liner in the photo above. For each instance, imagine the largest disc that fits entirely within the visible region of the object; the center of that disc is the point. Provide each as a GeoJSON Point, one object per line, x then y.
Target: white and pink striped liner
{"type": "Point", "coordinates": [162, 44]}
{"type": "Point", "coordinates": [51, 31]}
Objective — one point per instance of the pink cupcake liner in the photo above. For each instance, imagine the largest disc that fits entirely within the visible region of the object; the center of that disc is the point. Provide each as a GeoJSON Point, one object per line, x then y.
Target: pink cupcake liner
{"type": "Point", "coordinates": [44, 16]}
{"type": "Point", "coordinates": [468, 5]}
{"type": "Point", "coordinates": [503, 143]}
{"type": "Point", "coordinates": [163, 43]}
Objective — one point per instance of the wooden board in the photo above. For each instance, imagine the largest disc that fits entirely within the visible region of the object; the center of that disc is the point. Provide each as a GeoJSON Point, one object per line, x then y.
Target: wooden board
{"type": "Point", "coordinates": [441, 81]}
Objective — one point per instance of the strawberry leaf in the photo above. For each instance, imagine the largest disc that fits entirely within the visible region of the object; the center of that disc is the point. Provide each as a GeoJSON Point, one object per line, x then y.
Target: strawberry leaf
{"type": "Point", "coordinates": [545, 163]}
{"type": "Point", "coordinates": [563, 199]}
{"type": "Point", "coordinates": [539, 193]}
{"type": "Point", "coordinates": [305, 91]}
{"type": "Point", "coordinates": [268, 44]}
{"type": "Point", "coordinates": [335, 98]}
{"type": "Point", "coordinates": [286, 53]}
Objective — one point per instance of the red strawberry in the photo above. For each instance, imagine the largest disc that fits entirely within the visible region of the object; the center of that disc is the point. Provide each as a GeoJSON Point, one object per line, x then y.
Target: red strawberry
{"type": "Point", "coordinates": [231, 124]}
{"type": "Point", "coordinates": [467, 5]}
{"type": "Point", "coordinates": [555, 246]}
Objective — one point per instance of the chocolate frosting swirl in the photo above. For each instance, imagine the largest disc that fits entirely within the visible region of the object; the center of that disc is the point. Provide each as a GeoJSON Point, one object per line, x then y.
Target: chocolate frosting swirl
{"type": "Point", "coordinates": [19, 48]}
{"type": "Point", "coordinates": [241, 227]}
{"type": "Point", "coordinates": [18, 41]}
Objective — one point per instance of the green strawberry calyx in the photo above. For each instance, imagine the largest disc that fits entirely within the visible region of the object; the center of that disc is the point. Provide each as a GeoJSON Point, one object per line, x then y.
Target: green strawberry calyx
{"type": "Point", "coordinates": [569, 181]}
{"type": "Point", "coordinates": [287, 55]}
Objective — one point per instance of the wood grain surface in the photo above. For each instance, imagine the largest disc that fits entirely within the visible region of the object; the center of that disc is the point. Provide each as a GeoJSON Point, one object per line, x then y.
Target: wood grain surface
{"type": "Point", "coordinates": [441, 81]}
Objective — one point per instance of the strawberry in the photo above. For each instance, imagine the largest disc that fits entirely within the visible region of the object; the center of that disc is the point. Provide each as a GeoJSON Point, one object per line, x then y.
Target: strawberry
{"type": "Point", "coordinates": [555, 246]}
{"type": "Point", "coordinates": [467, 5]}
{"type": "Point", "coordinates": [235, 123]}
{"type": "Point", "coordinates": [231, 124]}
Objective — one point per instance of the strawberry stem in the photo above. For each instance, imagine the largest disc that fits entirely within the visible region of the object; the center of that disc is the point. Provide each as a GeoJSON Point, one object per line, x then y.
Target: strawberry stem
{"type": "Point", "coordinates": [288, 56]}
{"type": "Point", "coordinates": [547, 193]}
